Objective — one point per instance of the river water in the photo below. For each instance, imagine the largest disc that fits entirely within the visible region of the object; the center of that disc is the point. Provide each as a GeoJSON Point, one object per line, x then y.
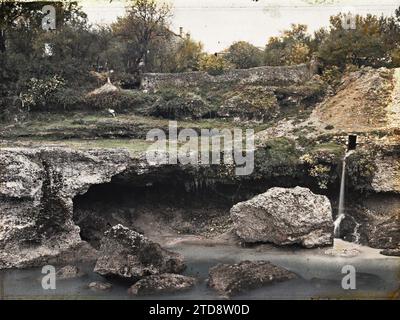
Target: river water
{"type": "Point", "coordinates": [319, 275]}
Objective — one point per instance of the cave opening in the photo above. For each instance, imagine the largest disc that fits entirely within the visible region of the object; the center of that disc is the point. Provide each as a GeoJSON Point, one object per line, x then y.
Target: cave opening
{"type": "Point", "coordinates": [167, 202]}
{"type": "Point", "coordinates": [158, 208]}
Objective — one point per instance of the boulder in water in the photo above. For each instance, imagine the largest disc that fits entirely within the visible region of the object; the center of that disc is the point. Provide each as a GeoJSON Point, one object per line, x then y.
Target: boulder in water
{"type": "Point", "coordinates": [391, 252]}
{"type": "Point", "coordinates": [69, 272]}
{"type": "Point", "coordinates": [129, 255]}
{"type": "Point", "coordinates": [284, 217]}
{"type": "Point", "coordinates": [233, 279]}
{"type": "Point", "coordinates": [100, 286]}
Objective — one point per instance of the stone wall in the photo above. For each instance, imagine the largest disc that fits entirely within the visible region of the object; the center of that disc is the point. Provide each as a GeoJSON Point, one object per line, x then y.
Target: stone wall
{"type": "Point", "coordinates": [266, 75]}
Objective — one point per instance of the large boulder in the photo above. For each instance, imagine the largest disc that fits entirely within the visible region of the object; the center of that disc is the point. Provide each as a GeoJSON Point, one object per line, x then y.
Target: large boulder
{"type": "Point", "coordinates": [229, 280]}
{"type": "Point", "coordinates": [37, 187]}
{"type": "Point", "coordinates": [129, 255]}
{"type": "Point", "coordinates": [162, 284]}
{"type": "Point", "coordinates": [284, 217]}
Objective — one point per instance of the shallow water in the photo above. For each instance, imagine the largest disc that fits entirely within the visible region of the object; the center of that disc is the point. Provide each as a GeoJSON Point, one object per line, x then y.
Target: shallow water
{"type": "Point", "coordinates": [319, 275]}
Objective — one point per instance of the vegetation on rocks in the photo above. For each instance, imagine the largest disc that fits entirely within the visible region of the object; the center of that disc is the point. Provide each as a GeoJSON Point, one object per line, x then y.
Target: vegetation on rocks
{"type": "Point", "coordinates": [360, 170]}
{"type": "Point", "coordinates": [321, 164]}
{"type": "Point", "coordinates": [278, 157]}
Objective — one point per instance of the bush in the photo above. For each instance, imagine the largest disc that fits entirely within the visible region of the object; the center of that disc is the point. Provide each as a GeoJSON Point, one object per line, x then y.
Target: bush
{"type": "Point", "coordinates": [120, 101]}
{"type": "Point", "coordinates": [11, 110]}
{"type": "Point", "coordinates": [277, 158]}
{"type": "Point", "coordinates": [360, 169]}
{"type": "Point", "coordinates": [42, 93]}
{"type": "Point", "coordinates": [250, 103]}
{"type": "Point", "coordinates": [244, 55]}
{"type": "Point", "coordinates": [179, 105]}
{"type": "Point", "coordinates": [214, 65]}
{"type": "Point", "coordinates": [321, 163]}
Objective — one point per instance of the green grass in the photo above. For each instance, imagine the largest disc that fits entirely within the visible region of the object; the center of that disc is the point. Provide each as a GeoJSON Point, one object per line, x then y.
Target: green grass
{"type": "Point", "coordinates": [134, 146]}
{"type": "Point", "coordinates": [332, 147]}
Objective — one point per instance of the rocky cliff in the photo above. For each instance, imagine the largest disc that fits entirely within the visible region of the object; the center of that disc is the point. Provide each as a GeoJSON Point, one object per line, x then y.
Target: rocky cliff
{"type": "Point", "coordinates": [38, 186]}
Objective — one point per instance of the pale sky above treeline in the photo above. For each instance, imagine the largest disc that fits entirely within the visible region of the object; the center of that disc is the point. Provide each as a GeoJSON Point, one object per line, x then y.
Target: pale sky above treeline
{"type": "Point", "coordinates": [219, 23]}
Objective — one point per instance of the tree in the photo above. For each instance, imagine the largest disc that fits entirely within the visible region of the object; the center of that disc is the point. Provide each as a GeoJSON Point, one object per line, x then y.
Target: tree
{"type": "Point", "coordinates": [146, 20]}
{"type": "Point", "coordinates": [374, 42]}
{"type": "Point", "coordinates": [18, 14]}
{"type": "Point", "coordinates": [244, 55]}
{"type": "Point", "coordinates": [188, 54]}
{"type": "Point", "coordinates": [292, 47]}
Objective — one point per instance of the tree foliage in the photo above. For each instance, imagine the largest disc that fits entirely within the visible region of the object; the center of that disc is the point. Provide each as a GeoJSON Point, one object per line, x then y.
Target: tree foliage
{"type": "Point", "coordinates": [244, 55]}
{"type": "Point", "coordinates": [214, 64]}
{"type": "Point", "coordinates": [145, 23]}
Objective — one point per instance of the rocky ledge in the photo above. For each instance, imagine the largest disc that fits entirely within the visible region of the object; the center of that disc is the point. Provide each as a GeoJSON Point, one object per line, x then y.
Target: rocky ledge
{"type": "Point", "coordinates": [38, 187]}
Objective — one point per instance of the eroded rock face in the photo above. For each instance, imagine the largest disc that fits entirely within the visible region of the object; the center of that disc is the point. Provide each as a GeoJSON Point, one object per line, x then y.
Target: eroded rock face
{"type": "Point", "coordinates": [374, 221]}
{"type": "Point", "coordinates": [387, 175]}
{"type": "Point", "coordinates": [162, 284]}
{"type": "Point", "coordinates": [284, 217]}
{"type": "Point", "coordinates": [131, 256]}
{"type": "Point", "coordinates": [37, 187]}
{"type": "Point", "coordinates": [230, 280]}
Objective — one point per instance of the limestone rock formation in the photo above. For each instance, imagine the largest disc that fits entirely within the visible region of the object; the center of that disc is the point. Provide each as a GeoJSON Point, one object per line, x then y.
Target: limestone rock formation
{"type": "Point", "coordinates": [284, 217]}
{"type": "Point", "coordinates": [387, 175]}
{"type": "Point", "coordinates": [129, 255]}
{"type": "Point", "coordinates": [231, 280]}
{"type": "Point", "coordinates": [162, 284]}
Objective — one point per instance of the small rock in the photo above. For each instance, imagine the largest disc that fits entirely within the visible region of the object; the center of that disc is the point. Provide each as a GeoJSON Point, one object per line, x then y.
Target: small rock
{"type": "Point", "coordinates": [100, 286]}
{"type": "Point", "coordinates": [129, 255]}
{"type": "Point", "coordinates": [69, 272]}
{"type": "Point", "coordinates": [391, 252]}
{"type": "Point", "coordinates": [161, 284]}
{"type": "Point", "coordinates": [233, 279]}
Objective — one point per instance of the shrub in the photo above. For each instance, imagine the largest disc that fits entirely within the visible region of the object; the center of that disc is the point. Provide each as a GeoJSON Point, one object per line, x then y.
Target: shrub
{"type": "Point", "coordinates": [277, 158]}
{"type": "Point", "coordinates": [42, 93]}
{"type": "Point", "coordinates": [360, 169]}
{"type": "Point", "coordinates": [249, 103]}
{"type": "Point", "coordinates": [321, 164]}
{"type": "Point", "coordinates": [120, 101]}
{"type": "Point", "coordinates": [332, 76]}
{"type": "Point", "coordinates": [244, 55]}
{"type": "Point", "coordinates": [179, 105]}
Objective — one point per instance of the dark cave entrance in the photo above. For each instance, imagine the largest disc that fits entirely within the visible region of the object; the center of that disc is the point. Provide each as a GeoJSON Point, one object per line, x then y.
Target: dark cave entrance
{"type": "Point", "coordinates": [167, 201]}
{"type": "Point", "coordinates": [157, 206]}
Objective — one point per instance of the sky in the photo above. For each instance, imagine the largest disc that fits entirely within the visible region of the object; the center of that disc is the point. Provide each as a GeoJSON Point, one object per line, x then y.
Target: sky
{"type": "Point", "coordinates": [219, 23]}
